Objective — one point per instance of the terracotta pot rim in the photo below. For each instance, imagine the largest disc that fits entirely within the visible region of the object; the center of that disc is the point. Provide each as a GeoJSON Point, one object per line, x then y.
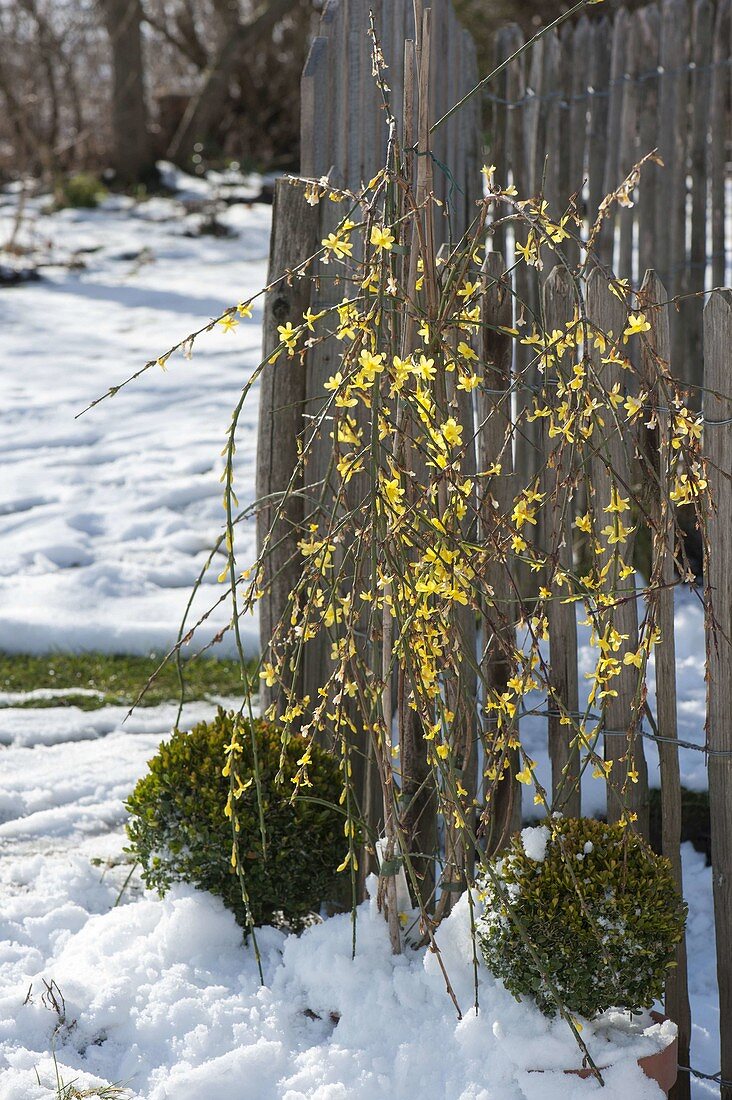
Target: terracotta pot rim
{"type": "Point", "coordinates": [660, 1066]}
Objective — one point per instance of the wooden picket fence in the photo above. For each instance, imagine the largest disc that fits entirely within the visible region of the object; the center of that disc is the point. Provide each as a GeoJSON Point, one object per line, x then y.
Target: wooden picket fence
{"type": "Point", "coordinates": [573, 114]}
{"type": "Point", "coordinates": [606, 313]}
{"type": "Point", "coordinates": [579, 108]}
{"type": "Point", "coordinates": [601, 94]}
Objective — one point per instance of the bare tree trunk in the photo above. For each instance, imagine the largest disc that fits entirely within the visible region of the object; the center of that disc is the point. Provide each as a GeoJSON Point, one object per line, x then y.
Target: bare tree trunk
{"type": "Point", "coordinates": [132, 151]}
{"type": "Point", "coordinates": [206, 107]}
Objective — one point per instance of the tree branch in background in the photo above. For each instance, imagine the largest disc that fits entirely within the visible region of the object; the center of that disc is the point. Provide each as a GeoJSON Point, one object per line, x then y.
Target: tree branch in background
{"type": "Point", "coordinates": [205, 108]}
{"type": "Point", "coordinates": [184, 38]}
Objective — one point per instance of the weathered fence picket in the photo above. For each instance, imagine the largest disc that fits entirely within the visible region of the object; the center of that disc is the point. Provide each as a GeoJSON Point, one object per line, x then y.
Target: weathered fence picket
{"type": "Point", "coordinates": [494, 448]}
{"type": "Point", "coordinates": [672, 145]}
{"type": "Point", "coordinates": [655, 446]}
{"type": "Point", "coordinates": [608, 314]}
{"type": "Point", "coordinates": [282, 396]}
{"type": "Point", "coordinates": [628, 148]}
{"type": "Point", "coordinates": [718, 449]}
{"type": "Point", "coordinates": [646, 28]}
{"type": "Point", "coordinates": [610, 141]}
{"type": "Point", "coordinates": [719, 127]}
{"type": "Point", "coordinates": [692, 282]}
{"type": "Point", "coordinates": [559, 305]}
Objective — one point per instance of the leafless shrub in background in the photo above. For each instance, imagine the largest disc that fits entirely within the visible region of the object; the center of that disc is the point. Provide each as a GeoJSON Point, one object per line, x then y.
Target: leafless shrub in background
{"type": "Point", "coordinates": [97, 84]}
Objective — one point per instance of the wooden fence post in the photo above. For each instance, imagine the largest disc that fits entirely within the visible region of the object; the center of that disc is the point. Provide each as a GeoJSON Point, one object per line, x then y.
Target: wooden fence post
{"type": "Point", "coordinates": [646, 29]}
{"type": "Point", "coordinates": [548, 153]}
{"type": "Point", "coordinates": [670, 244]}
{"type": "Point", "coordinates": [718, 451]}
{"type": "Point", "coordinates": [559, 306]}
{"type": "Point", "coordinates": [613, 170]}
{"type": "Point", "coordinates": [500, 118]}
{"type": "Point", "coordinates": [493, 445]}
{"type": "Point", "coordinates": [576, 61]}
{"type": "Point", "coordinates": [599, 67]}
{"type": "Point", "coordinates": [628, 151]}
{"type": "Point", "coordinates": [655, 451]}
{"type": "Point", "coordinates": [719, 109]}
{"type": "Point", "coordinates": [692, 277]}
{"type": "Point", "coordinates": [607, 314]}
{"type": "Point", "coordinates": [281, 398]}
{"type": "Point", "coordinates": [527, 166]}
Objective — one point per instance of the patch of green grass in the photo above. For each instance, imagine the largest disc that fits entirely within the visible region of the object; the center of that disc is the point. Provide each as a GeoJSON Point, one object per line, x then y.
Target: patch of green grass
{"type": "Point", "coordinates": [116, 679]}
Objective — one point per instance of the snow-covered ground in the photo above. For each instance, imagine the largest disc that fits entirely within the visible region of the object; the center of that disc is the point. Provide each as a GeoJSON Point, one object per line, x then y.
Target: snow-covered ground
{"type": "Point", "coordinates": [161, 996]}
{"type": "Point", "coordinates": [105, 521]}
{"type": "Point", "coordinates": [104, 524]}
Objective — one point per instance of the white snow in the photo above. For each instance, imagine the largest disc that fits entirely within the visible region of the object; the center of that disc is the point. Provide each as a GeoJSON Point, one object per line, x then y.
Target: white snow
{"type": "Point", "coordinates": [535, 839]}
{"type": "Point", "coordinates": [163, 997]}
{"type": "Point", "coordinates": [105, 522]}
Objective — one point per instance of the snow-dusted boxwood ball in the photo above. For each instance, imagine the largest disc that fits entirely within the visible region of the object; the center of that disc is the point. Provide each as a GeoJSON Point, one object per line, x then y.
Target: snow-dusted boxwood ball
{"type": "Point", "coordinates": [600, 908]}
{"type": "Point", "coordinates": [179, 830]}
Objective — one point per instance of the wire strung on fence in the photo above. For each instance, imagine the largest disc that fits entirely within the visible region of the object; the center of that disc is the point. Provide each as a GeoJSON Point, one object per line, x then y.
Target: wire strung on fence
{"type": "Point", "coordinates": [640, 731]}
{"type": "Point", "coordinates": [558, 97]}
{"type": "Point", "coordinates": [715, 1077]}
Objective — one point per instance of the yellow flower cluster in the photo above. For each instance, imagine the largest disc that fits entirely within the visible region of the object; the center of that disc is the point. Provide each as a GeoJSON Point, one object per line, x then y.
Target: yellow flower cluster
{"type": "Point", "coordinates": [413, 520]}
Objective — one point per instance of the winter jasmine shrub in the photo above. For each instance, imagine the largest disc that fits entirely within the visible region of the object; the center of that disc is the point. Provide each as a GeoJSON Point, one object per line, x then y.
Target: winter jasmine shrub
{"type": "Point", "coordinates": [412, 573]}
{"type": "Point", "coordinates": [598, 905]}
{"type": "Point", "coordinates": [180, 819]}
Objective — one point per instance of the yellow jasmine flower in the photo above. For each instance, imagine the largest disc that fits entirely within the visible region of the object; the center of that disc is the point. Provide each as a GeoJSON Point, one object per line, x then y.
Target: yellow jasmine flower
{"type": "Point", "coordinates": [636, 323]}
{"type": "Point", "coordinates": [382, 237]}
{"type": "Point", "coordinates": [227, 323]}
{"type": "Point", "coordinates": [452, 432]}
{"type": "Point", "coordinates": [525, 776]}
